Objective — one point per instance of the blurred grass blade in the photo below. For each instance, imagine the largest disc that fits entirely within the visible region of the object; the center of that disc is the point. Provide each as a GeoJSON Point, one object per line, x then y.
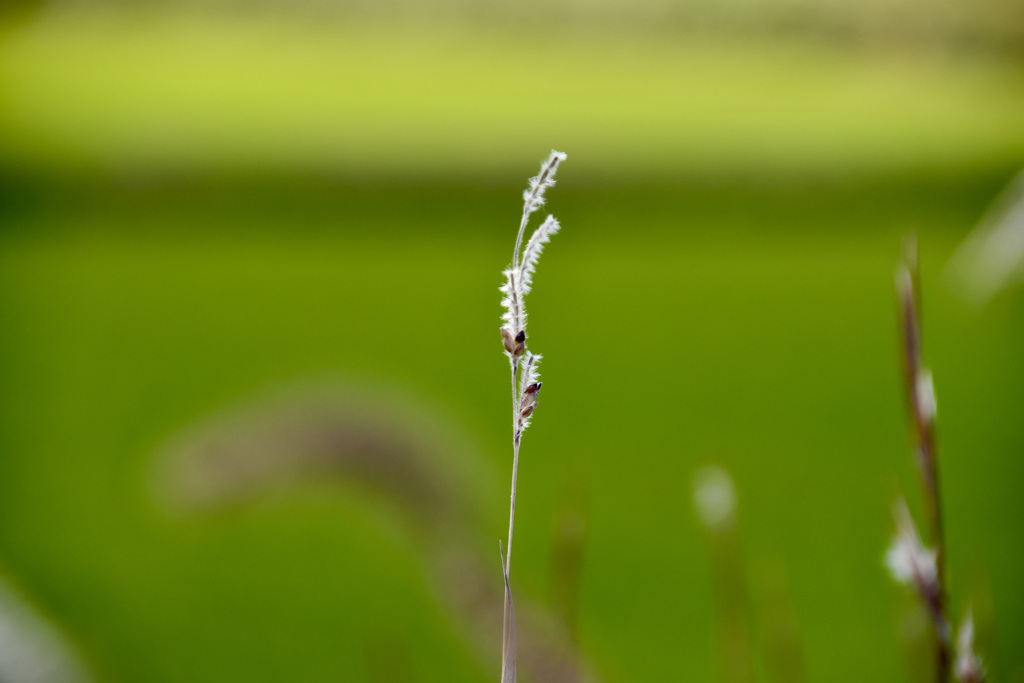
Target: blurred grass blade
{"type": "Point", "coordinates": [32, 650]}
{"type": "Point", "coordinates": [992, 257]}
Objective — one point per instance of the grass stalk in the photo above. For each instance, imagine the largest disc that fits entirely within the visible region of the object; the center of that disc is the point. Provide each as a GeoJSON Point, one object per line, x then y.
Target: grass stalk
{"type": "Point", "coordinates": [525, 383]}
{"type": "Point", "coordinates": [921, 403]}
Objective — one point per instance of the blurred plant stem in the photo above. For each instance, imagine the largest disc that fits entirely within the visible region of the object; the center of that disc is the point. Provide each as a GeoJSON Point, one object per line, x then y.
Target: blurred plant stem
{"type": "Point", "coordinates": [921, 402]}
{"type": "Point", "coordinates": [715, 499]}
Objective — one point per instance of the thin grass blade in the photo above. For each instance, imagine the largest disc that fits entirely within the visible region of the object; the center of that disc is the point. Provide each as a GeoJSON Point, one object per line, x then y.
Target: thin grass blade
{"type": "Point", "coordinates": [508, 628]}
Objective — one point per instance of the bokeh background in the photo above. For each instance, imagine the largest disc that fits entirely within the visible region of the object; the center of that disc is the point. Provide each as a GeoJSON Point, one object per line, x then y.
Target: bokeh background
{"type": "Point", "coordinates": [253, 407]}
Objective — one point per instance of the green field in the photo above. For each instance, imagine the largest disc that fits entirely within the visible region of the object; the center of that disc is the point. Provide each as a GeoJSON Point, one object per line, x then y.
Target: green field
{"type": "Point", "coordinates": [185, 231]}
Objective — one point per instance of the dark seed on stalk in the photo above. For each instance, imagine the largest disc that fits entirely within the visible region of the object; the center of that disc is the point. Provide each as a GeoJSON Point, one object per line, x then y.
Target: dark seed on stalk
{"type": "Point", "coordinates": [527, 411]}
{"type": "Point", "coordinates": [506, 340]}
{"type": "Point", "coordinates": [521, 337]}
{"type": "Point", "coordinates": [533, 388]}
{"type": "Point", "coordinates": [519, 350]}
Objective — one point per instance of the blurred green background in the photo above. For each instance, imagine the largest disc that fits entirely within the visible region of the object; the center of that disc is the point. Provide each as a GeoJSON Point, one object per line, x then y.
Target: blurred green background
{"type": "Point", "coordinates": [208, 207]}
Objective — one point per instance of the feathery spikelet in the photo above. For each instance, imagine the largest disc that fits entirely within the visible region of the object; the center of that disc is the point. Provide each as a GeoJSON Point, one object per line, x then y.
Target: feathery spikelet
{"type": "Point", "coordinates": [533, 196]}
{"type": "Point", "coordinates": [925, 396]}
{"type": "Point", "coordinates": [914, 565]}
{"type": "Point", "coordinates": [529, 390]}
{"type": "Point", "coordinates": [908, 560]}
{"type": "Point", "coordinates": [968, 665]}
{"type": "Point", "coordinates": [519, 276]}
{"type": "Point", "coordinates": [513, 332]}
{"type": "Point", "coordinates": [714, 496]}
{"type": "Point", "coordinates": [534, 247]}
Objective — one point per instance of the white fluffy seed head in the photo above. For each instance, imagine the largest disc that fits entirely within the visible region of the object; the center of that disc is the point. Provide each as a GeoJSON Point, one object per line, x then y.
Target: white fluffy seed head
{"type": "Point", "coordinates": [925, 396]}
{"type": "Point", "coordinates": [908, 560]}
{"type": "Point", "coordinates": [967, 668]}
{"type": "Point", "coordinates": [514, 316]}
{"type": "Point", "coordinates": [519, 276]}
{"type": "Point", "coordinates": [534, 247]}
{"type": "Point", "coordinates": [531, 371]}
{"type": "Point", "coordinates": [533, 195]}
{"type": "Point", "coordinates": [714, 496]}
{"type": "Point", "coordinates": [529, 375]}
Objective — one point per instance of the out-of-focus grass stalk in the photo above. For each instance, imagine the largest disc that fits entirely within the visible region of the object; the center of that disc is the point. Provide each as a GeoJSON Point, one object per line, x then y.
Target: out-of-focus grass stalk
{"type": "Point", "coordinates": [715, 499]}
{"type": "Point", "coordinates": [909, 560]}
{"type": "Point", "coordinates": [778, 623]}
{"type": "Point", "coordinates": [921, 403]}
{"type": "Point", "coordinates": [569, 535]}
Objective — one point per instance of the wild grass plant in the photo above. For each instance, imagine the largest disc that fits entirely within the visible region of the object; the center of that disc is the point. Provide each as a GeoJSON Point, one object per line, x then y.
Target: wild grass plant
{"type": "Point", "coordinates": [526, 384]}
{"type": "Point", "coordinates": [909, 560]}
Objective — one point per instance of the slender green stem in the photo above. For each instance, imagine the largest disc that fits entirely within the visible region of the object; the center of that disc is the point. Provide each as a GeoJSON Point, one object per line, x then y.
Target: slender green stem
{"type": "Point", "coordinates": [515, 467]}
